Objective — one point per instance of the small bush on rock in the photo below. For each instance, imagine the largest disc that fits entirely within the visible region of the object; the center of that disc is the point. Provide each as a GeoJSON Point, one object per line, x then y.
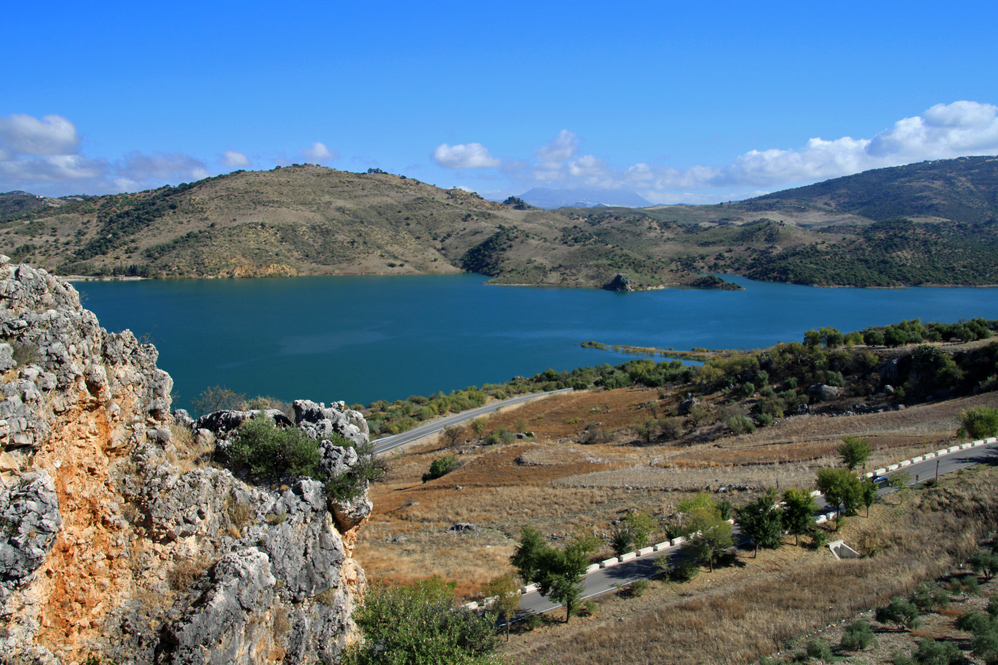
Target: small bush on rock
{"type": "Point", "coordinates": [268, 450]}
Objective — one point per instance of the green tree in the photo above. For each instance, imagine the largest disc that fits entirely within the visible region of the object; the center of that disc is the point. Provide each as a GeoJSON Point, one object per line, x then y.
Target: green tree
{"type": "Point", "coordinates": [632, 532]}
{"type": "Point", "coordinates": [868, 493]}
{"type": "Point", "coordinates": [505, 595]}
{"type": "Point", "coordinates": [641, 525]}
{"type": "Point", "coordinates": [478, 426]}
{"type": "Point", "coordinates": [854, 452]}
{"type": "Point", "coordinates": [812, 339]}
{"type": "Point", "coordinates": [832, 337]}
{"type": "Point", "coordinates": [873, 338]}
{"type": "Point", "coordinates": [417, 624]}
{"type": "Point", "coordinates": [647, 430]}
{"type": "Point", "coordinates": [842, 490]}
{"type": "Point", "coordinates": [798, 512]}
{"type": "Point", "coordinates": [561, 572]}
{"type": "Point", "coordinates": [710, 536]}
{"type": "Point", "coordinates": [526, 556]}
{"type": "Point", "coordinates": [985, 562]}
{"type": "Point", "coordinates": [980, 422]}
{"type": "Point", "coordinates": [761, 521]}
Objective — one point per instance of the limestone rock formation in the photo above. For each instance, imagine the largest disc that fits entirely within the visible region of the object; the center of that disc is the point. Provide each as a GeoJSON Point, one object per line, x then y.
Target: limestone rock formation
{"type": "Point", "coordinates": [122, 538]}
{"type": "Point", "coordinates": [619, 283]}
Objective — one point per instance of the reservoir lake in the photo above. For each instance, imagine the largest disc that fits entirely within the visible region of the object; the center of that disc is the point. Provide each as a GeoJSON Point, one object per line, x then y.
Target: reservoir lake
{"type": "Point", "coordinates": [360, 339]}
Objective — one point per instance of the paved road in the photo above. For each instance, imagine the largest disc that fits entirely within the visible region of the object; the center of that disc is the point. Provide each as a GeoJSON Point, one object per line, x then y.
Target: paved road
{"type": "Point", "coordinates": [606, 579]}
{"type": "Point", "coordinates": [397, 440]}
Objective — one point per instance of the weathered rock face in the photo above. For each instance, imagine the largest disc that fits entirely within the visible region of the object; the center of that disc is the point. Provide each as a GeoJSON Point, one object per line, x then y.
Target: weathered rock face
{"type": "Point", "coordinates": [118, 535]}
{"type": "Point", "coordinates": [619, 283]}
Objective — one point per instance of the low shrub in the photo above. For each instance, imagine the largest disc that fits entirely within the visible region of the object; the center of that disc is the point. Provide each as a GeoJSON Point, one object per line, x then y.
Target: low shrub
{"type": "Point", "coordinates": [900, 612]}
{"type": "Point", "coordinates": [440, 467]}
{"type": "Point", "coordinates": [857, 636]}
{"type": "Point", "coordinates": [819, 538]}
{"type": "Point", "coordinates": [928, 597]}
{"type": "Point", "coordinates": [269, 450]}
{"type": "Point", "coordinates": [819, 649]}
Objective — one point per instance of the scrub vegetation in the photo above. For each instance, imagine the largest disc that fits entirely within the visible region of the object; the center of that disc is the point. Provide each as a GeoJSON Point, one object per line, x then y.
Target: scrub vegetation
{"type": "Point", "coordinates": [930, 223]}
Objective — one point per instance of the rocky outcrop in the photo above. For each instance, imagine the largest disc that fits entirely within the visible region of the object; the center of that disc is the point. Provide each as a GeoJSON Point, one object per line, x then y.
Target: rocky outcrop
{"type": "Point", "coordinates": [122, 537]}
{"type": "Point", "coordinates": [620, 284]}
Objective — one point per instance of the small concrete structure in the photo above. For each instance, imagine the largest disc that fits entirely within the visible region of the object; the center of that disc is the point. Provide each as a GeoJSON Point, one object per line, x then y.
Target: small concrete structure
{"type": "Point", "coordinates": [593, 568]}
{"type": "Point", "coordinates": [609, 563]}
{"type": "Point", "coordinates": [645, 550]}
{"type": "Point", "coordinates": [966, 445]}
{"type": "Point", "coordinates": [907, 462]}
{"type": "Point", "coordinates": [917, 459]}
{"type": "Point", "coordinates": [842, 551]}
{"type": "Point", "coordinates": [821, 519]}
{"type": "Point", "coordinates": [678, 541]}
{"type": "Point", "coordinates": [880, 472]}
{"type": "Point", "coordinates": [658, 547]}
{"type": "Point", "coordinates": [530, 588]}
{"type": "Point", "coordinates": [627, 556]}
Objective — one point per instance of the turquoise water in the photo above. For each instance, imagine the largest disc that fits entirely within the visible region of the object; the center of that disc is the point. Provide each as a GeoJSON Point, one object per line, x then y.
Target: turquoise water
{"type": "Point", "coordinates": [359, 339]}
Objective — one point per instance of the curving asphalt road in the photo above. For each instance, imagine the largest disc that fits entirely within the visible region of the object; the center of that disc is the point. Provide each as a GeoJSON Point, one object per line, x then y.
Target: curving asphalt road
{"type": "Point", "coordinates": [388, 443]}
{"type": "Point", "coordinates": [643, 567]}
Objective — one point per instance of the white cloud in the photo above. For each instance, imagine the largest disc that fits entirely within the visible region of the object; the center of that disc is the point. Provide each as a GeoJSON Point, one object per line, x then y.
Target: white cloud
{"type": "Point", "coordinates": [944, 131]}
{"type": "Point", "coordinates": [560, 149]}
{"type": "Point", "coordinates": [464, 156]}
{"type": "Point", "coordinates": [963, 128]}
{"type": "Point", "coordinates": [43, 156]}
{"type": "Point", "coordinates": [318, 153]}
{"type": "Point", "coordinates": [25, 135]}
{"type": "Point", "coordinates": [161, 166]}
{"type": "Point", "coordinates": [21, 171]}
{"type": "Point", "coordinates": [235, 159]}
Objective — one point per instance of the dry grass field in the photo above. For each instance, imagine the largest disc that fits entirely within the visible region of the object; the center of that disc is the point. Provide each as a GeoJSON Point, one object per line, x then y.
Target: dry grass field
{"type": "Point", "coordinates": [555, 483]}
{"type": "Point", "coordinates": [761, 606]}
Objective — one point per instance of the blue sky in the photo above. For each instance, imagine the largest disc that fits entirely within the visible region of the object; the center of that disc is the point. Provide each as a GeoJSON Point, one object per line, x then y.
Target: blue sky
{"type": "Point", "coordinates": [680, 102]}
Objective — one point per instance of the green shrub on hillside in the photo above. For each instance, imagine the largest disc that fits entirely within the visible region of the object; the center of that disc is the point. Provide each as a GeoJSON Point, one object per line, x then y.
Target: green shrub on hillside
{"type": "Point", "coordinates": [440, 467]}
{"type": "Point", "coordinates": [980, 422]}
{"type": "Point", "coordinates": [857, 636]}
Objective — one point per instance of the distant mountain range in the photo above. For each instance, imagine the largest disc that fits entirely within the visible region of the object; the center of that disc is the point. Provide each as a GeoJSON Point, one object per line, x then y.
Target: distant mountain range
{"type": "Point", "coordinates": [929, 223]}
{"type": "Point", "coordinates": [550, 199]}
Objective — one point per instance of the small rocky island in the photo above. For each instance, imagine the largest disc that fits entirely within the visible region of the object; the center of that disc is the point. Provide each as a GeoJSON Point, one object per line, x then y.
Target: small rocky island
{"type": "Point", "coordinates": [125, 538]}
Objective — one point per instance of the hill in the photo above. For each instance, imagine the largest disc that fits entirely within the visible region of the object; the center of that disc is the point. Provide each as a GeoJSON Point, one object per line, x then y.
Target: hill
{"type": "Point", "coordinates": [930, 223]}
{"type": "Point", "coordinates": [964, 190]}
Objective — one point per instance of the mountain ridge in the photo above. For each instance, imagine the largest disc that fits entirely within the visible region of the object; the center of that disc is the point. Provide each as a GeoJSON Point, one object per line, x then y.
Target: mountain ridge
{"type": "Point", "coordinates": [312, 220]}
